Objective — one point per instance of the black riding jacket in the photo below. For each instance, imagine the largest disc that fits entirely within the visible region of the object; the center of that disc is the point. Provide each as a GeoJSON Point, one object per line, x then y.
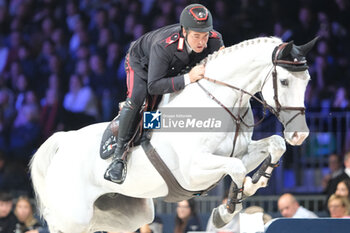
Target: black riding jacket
{"type": "Point", "coordinates": [163, 56]}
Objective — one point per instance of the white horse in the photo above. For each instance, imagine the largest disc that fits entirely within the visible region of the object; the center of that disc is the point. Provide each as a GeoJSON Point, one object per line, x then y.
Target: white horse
{"type": "Point", "coordinates": [67, 171]}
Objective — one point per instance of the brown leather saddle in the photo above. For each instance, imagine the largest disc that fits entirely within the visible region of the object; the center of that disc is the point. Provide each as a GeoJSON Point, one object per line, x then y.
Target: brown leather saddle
{"type": "Point", "coordinates": [109, 138]}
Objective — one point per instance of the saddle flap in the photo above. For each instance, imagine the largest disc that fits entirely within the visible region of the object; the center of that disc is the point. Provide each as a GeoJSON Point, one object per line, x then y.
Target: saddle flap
{"type": "Point", "coordinates": [109, 139]}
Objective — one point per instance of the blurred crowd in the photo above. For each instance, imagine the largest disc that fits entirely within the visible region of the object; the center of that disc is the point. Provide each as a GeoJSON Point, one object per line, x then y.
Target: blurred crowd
{"type": "Point", "coordinates": [62, 61]}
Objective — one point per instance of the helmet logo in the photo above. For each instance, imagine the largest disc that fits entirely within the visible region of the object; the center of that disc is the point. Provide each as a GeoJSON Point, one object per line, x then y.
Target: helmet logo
{"type": "Point", "coordinates": [199, 13]}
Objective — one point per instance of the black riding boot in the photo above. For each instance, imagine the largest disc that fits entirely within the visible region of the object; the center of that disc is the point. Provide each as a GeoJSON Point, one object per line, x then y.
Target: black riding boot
{"type": "Point", "coordinates": [116, 172]}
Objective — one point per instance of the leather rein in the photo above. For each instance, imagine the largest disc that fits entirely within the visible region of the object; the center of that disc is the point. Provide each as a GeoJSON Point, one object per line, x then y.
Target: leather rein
{"type": "Point", "coordinates": [276, 111]}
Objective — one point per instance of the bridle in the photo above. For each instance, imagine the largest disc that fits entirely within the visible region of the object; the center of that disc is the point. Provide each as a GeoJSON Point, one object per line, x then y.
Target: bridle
{"type": "Point", "coordinates": [276, 111]}
{"type": "Point", "coordinates": [280, 108]}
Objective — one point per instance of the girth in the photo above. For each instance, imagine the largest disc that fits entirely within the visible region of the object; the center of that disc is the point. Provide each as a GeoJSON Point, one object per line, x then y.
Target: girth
{"type": "Point", "coordinates": [176, 192]}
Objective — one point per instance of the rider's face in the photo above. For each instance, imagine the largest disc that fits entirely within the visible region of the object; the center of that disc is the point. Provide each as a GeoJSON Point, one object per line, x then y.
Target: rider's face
{"type": "Point", "coordinates": [197, 40]}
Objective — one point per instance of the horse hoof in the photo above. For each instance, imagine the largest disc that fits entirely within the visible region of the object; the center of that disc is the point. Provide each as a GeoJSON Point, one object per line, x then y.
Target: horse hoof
{"type": "Point", "coordinates": [217, 220]}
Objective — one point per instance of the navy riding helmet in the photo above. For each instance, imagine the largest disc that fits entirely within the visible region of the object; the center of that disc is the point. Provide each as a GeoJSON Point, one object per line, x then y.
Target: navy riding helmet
{"type": "Point", "coordinates": [196, 17]}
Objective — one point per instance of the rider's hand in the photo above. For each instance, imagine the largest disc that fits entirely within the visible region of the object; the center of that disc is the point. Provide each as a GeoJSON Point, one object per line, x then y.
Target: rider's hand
{"type": "Point", "coordinates": [196, 73]}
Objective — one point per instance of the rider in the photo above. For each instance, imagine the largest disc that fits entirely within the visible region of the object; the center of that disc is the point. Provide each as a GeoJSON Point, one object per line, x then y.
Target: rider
{"type": "Point", "coordinates": [155, 64]}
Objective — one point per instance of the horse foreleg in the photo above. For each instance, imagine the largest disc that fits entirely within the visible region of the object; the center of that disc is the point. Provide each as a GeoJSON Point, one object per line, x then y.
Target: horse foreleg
{"type": "Point", "coordinates": [210, 166]}
{"type": "Point", "coordinates": [207, 167]}
{"type": "Point", "coordinates": [269, 150]}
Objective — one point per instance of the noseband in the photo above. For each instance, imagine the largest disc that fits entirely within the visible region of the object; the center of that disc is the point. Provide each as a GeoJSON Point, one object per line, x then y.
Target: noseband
{"type": "Point", "coordinates": [278, 107]}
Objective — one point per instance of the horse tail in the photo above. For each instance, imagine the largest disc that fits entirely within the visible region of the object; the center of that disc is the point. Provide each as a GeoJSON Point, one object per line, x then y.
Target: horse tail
{"type": "Point", "coordinates": [38, 168]}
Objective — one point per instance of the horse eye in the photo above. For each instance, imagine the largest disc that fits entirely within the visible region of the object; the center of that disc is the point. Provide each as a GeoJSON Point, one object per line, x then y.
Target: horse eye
{"type": "Point", "coordinates": [284, 82]}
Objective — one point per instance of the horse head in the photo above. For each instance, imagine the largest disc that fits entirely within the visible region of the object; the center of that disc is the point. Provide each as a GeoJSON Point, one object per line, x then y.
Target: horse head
{"type": "Point", "coordinates": [285, 94]}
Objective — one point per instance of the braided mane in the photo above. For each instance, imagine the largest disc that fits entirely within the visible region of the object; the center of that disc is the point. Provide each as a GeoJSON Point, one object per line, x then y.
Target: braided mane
{"type": "Point", "coordinates": [240, 45]}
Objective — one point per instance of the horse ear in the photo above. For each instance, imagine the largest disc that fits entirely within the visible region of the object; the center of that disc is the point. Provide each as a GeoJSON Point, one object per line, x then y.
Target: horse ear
{"type": "Point", "coordinates": [304, 49]}
{"type": "Point", "coordinates": [286, 50]}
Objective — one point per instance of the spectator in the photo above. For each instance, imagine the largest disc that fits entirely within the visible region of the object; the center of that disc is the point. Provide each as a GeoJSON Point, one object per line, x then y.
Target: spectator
{"type": "Point", "coordinates": [47, 27]}
{"type": "Point", "coordinates": [83, 69]}
{"type": "Point", "coordinates": [307, 27]}
{"type": "Point", "coordinates": [4, 22]}
{"type": "Point", "coordinates": [283, 31]}
{"type": "Point", "coordinates": [50, 115]}
{"type": "Point", "coordinates": [113, 57]}
{"type": "Point", "coordinates": [324, 66]}
{"type": "Point", "coordinates": [27, 63]}
{"type": "Point", "coordinates": [7, 115]}
{"type": "Point", "coordinates": [4, 51]}
{"type": "Point", "coordinates": [335, 169]}
{"type": "Point", "coordinates": [346, 172]}
{"type": "Point", "coordinates": [72, 14]}
{"type": "Point", "coordinates": [55, 83]}
{"type": "Point", "coordinates": [338, 206]}
{"type": "Point", "coordinates": [15, 40]}
{"type": "Point", "coordinates": [98, 23]}
{"type": "Point", "coordinates": [25, 133]}
{"type": "Point", "coordinates": [113, 61]}
{"type": "Point", "coordinates": [61, 47]}
{"type": "Point", "coordinates": [290, 208]}
{"type": "Point", "coordinates": [115, 19]}
{"type": "Point", "coordinates": [104, 38]}
{"type": "Point", "coordinates": [15, 177]}
{"type": "Point", "coordinates": [42, 61]}
{"type": "Point", "coordinates": [343, 188]}
{"type": "Point", "coordinates": [325, 28]}
{"type": "Point", "coordinates": [104, 86]}
{"type": "Point", "coordinates": [341, 100]}
{"type": "Point", "coordinates": [79, 36]}
{"type": "Point", "coordinates": [8, 220]}
{"type": "Point", "coordinates": [2, 169]}
{"type": "Point", "coordinates": [340, 11]}
{"type": "Point", "coordinates": [79, 104]}
{"type": "Point", "coordinates": [12, 76]}
{"type": "Point", "coordinates": [186, 217]}
{"type": "Point", "coordinates": [129, 25]}
{"type": "Point", "coordinates": [21, 89]}
{"type": "Point", "coordinates": [24, 213]}
{"type": "Point", "coordinates": [80, 99]}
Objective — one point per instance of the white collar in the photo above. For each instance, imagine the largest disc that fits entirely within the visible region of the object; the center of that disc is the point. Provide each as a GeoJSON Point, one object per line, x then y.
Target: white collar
{"type": "Point", "coordinates": [188, 47]}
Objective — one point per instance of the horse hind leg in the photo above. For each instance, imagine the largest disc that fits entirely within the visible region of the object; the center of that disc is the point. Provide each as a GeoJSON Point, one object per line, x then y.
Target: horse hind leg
{"type": "Point", "coordinates": [223, 214]}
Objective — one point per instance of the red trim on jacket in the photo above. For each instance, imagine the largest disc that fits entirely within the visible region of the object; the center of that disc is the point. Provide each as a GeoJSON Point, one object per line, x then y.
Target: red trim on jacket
{"type": "Point", "coordinates": [172, 81]}
{"type": "Point", "coordinates": [129, 78]}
